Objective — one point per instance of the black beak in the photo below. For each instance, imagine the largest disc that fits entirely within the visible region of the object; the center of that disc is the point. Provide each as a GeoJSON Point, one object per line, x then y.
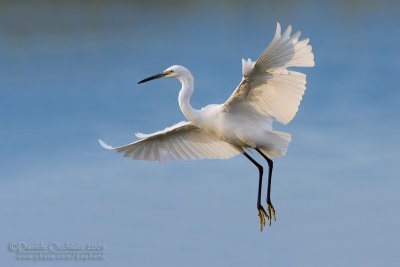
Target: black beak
{"type": "Point", "coordinates": [157, 76]}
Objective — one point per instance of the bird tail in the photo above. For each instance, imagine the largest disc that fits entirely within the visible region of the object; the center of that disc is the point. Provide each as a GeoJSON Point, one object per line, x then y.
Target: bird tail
{"type": "Point", "coordinates": [278, 143]}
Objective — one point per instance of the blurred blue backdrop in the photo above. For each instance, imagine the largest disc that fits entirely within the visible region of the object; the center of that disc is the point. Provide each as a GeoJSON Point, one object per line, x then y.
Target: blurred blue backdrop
{"type": "Point", "coordinates": [68, 73]}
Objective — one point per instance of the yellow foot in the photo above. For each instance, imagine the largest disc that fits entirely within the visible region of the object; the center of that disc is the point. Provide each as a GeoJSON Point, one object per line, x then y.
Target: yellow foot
{"type": "Point", "coordinates": [262, 215]}
{"type": "Point", "coordinates": [271, 212]}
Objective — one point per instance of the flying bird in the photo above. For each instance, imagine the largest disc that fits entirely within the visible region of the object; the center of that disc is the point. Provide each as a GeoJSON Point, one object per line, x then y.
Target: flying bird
{"type": "Point", "coordinates": [268, 92]}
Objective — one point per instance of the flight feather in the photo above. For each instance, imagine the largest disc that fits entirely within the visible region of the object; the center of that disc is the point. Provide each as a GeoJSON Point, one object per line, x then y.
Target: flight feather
{"type": "Point", "coordinates": [267, 85]}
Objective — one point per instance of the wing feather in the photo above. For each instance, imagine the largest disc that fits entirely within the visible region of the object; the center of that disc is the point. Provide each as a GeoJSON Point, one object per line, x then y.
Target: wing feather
{"type": "Point", "coordinates": [182, 141]}
{"type": "Point", "coordinates": [267, 85]}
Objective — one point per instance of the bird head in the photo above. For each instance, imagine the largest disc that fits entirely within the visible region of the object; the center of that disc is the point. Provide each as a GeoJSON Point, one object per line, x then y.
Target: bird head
{"type": "Point", "coordinates": [175, 71]}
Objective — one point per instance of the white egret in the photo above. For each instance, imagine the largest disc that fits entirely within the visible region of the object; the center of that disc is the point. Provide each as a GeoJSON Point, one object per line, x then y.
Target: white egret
{"type": "Point", "coordinates": [267, 92]}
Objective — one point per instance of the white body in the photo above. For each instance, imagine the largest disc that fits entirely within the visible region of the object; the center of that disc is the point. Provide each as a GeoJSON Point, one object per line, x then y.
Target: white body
{"type": "Point", "coordinates": [242, 128]}
{"type": "Point", "coordinates": [268, 91]}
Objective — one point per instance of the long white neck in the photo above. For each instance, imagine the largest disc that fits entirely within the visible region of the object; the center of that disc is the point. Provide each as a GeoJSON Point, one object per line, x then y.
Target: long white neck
{"type": "Point", "coordinates": [185, 93]}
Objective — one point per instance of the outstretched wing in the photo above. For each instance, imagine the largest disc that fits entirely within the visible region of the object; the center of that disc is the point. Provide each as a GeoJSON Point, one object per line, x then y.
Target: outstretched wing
{"type": "Point", "coordinates": [267, 85]}
{"type": "Point", "coordinates": [182, 141]}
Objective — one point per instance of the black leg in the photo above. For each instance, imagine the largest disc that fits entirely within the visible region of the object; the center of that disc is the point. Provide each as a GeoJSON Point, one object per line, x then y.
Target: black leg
{"type": "Point", "coordinates": [261, 211]}
{"type": "Point", "coordinates": [271, 210]}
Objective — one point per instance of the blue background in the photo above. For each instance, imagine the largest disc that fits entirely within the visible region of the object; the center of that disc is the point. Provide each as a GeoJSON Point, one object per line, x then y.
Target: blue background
{"type": "Point", "coordinates": [68, 74]}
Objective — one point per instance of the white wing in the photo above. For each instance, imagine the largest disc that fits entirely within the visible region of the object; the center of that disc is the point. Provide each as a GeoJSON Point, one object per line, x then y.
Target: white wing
{"type": "Point", "coordinates": [181, 141]}
{"type": "Point", "coordinates": [267, 85]}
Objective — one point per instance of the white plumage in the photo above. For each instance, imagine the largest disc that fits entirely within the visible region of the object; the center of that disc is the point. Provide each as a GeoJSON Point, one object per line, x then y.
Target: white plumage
{"type": "Point", "coordinates": [180, 141]}
{"type": "Point", "coordinates": [269, 87]}
{"type": "Point", "coordinates": [267, 92]}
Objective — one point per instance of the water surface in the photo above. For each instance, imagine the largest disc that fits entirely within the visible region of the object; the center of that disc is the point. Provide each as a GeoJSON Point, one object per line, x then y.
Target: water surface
{"type": "Point", "coordinates": [68, 73]}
